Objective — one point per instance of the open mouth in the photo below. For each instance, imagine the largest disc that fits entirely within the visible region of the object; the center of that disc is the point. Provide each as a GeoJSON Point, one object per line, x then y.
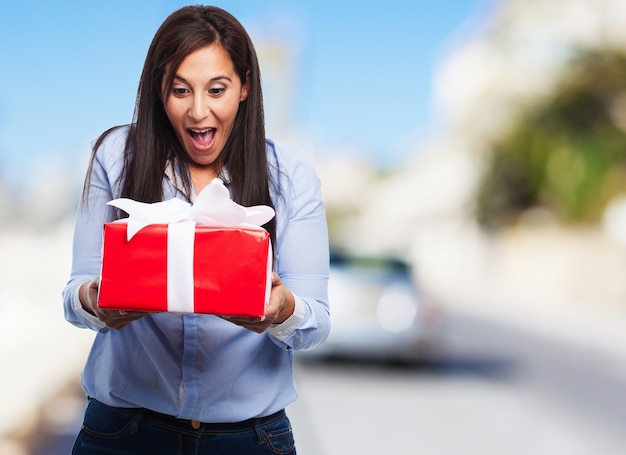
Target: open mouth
{"type": "Point", "coordinates": [202, 138]}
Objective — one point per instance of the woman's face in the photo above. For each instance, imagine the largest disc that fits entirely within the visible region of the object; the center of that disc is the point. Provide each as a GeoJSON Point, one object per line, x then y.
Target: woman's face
{"type": "Point", "coordinates": [203, 103]}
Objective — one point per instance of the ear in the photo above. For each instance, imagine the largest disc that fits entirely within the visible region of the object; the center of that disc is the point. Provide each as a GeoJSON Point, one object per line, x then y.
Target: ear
{"type": "Point", "coordinates": [245, 89]}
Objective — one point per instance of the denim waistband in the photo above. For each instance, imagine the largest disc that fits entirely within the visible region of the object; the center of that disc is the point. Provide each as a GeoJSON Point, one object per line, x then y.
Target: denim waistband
{"type": "Point", "coordinates": [153, 417]}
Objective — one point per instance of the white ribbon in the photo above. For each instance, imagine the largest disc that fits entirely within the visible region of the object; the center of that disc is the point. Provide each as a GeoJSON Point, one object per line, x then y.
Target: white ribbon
{"type": "Point", "coordinates": [214, 207]}
{"type": "Point", "coordinates": [180, 287]}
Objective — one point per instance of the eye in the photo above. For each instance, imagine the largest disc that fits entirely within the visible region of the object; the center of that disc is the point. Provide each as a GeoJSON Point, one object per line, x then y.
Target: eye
{"type": "Point", "coordinates": [217, 91]}
{"type": "Point", "coordinates": [179, 91]}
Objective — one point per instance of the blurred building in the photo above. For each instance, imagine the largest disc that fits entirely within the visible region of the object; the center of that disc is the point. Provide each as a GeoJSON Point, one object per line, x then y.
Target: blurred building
{"type": "Point", "coordinates": [487, 76]}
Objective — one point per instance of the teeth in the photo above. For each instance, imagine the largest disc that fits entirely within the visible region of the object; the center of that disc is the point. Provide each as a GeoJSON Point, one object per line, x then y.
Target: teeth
{"type": "Point", "coordinates": [200, 131]}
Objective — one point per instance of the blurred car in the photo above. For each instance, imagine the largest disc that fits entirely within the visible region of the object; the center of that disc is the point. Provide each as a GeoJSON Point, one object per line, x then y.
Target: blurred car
{"type": "Point", "coordinates": [378, 312]}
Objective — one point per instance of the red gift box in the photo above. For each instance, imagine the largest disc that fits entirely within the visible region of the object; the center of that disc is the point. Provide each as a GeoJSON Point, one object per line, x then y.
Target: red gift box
{"type": "Point", "coordinates": [203, 269]}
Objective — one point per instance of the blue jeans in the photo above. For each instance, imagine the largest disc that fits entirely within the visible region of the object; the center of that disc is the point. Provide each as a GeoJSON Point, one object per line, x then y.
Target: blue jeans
{"type": "Point", "coordinates": [127, 431]}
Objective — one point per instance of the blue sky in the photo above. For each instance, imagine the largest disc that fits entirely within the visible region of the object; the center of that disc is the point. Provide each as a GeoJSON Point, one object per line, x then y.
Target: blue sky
{"type": "Point", "coordinates": [361, 71]}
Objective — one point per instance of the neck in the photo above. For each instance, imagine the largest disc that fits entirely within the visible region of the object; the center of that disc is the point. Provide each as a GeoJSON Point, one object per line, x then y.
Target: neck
{"type": "Point", "coordinates": [201, 176]}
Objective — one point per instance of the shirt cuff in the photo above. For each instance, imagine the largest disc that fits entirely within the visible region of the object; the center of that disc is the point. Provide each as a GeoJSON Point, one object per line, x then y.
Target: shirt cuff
{"type": "Point", "coordinates": [78, 307]}
{"type": "Point", "coordinates": [282, 331]}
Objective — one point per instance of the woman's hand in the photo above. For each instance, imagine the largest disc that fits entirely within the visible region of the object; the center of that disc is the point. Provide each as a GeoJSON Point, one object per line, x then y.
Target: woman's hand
{"type": "Point", "coordinates": [113, 319]}
{"type": "Point", "coordinates": [279, 309]}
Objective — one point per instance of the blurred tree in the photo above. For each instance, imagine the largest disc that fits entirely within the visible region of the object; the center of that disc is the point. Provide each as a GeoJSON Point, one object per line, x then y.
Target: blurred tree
{"type": "Point", "coordinates": [567, 153]}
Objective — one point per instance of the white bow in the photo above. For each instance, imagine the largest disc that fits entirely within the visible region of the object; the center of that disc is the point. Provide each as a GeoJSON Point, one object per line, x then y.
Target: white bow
{"type": "Point", "coordinates": [213, 206]}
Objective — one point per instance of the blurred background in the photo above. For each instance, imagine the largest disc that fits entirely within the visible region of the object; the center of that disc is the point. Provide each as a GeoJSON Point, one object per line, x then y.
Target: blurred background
{"type": "Point", "coordinates": [472, 150]}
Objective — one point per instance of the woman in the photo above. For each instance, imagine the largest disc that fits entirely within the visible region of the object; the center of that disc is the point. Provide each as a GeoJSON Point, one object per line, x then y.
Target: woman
{"type": "Point", "coordinates": [166, 383]}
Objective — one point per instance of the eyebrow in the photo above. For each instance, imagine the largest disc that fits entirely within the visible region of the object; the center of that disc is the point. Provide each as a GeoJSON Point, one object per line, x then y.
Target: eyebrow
{"type": "Point", "coordinates": [213, 79]}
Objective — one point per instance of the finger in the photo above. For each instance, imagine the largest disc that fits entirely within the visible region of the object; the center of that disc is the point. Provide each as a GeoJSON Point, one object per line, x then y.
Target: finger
{"type": "Point", "coordinates": [244, 320]}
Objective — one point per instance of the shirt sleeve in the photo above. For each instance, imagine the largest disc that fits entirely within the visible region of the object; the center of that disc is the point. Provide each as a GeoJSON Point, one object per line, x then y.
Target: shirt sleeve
{"type": "Point", "coordinates": [281, 331]}
{"type": "Point", "coordinates": [302, 252]}
{"type": "Point", "coordinates": [91, 215]}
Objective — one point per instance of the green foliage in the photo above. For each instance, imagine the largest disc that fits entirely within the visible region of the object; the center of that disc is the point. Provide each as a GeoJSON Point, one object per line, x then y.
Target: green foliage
{"type": "Point", "coordinates": [567, 153]}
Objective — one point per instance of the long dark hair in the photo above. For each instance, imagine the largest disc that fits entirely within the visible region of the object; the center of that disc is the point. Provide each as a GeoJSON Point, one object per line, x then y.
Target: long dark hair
{"type": "Point", "coordinates": [152, 140]}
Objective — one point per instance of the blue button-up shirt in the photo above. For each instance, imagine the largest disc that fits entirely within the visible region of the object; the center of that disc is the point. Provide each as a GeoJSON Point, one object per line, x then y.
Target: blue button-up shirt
{"type": "Point", "coordinates": [201, 367]}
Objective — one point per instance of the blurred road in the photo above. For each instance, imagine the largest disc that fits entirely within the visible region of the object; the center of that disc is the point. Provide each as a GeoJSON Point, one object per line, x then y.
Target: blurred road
{"type": "Point", "coordinates": [496, 390]}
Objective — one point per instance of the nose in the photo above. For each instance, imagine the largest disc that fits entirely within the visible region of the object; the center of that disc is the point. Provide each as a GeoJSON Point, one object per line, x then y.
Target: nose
{"type": "Point", "coordinates": [199, 108]}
